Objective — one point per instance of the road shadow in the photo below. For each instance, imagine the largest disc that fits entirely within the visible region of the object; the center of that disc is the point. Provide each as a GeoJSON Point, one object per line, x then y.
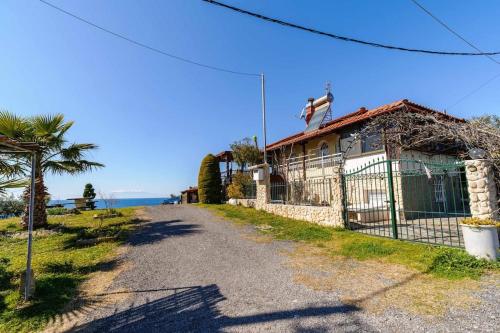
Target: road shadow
{"type": "Point", "coordinates": [153, 232]}
{"type": "Point", "coordinates": [195, 309]}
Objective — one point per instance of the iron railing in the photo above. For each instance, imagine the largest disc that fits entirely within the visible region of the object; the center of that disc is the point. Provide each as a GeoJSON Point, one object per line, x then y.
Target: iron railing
{"type": "Point", "coordinates": [250, 190]}
{"type": "Point", "coordinates": [313, 192]}
{"type": "Point", "coordinates": [312, 161]}
{"type": "Point", "coordinates": [408, 199]}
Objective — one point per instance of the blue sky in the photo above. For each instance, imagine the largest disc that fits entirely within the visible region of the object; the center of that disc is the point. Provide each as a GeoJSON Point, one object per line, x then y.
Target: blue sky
{"type": "Point", "coordinates": [155, 118]}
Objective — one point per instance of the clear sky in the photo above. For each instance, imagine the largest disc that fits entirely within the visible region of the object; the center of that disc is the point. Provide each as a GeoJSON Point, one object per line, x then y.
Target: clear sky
{"type": "Point", "coordinates": [155, 118]}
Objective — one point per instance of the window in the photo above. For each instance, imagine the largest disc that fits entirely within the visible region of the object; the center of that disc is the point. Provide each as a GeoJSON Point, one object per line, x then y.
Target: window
{"type": "Point", "coordinates": [323, 151]}
{"type": "Point", "coordinates": [371, 143]}
{"type": "Point", "coordinates": [347, 146]}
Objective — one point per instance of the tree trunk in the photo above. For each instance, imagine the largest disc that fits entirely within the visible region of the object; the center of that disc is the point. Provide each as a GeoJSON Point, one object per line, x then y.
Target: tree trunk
{"type": "Point", "coordinates": [40, 213]}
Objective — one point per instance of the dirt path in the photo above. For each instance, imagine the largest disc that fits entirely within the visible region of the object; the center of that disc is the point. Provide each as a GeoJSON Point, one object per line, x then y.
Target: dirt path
{"type": "Point", "coordinates": [190, 271]}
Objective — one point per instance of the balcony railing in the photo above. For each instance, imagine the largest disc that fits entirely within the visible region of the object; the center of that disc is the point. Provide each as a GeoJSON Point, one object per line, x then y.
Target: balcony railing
{"type": "Point", "coordinates": [310, 162]}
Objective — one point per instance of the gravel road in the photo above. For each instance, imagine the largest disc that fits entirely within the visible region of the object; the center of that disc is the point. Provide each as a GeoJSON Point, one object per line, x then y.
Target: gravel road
{"type": "Point", "coordinates": [190, 271]}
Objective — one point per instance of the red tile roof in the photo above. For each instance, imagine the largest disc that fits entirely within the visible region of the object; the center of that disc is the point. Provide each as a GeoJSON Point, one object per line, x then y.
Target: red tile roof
{"type": "Point", "coordinates": [352, 118]}
{"type": "Point", "coordinates": [190, 190]}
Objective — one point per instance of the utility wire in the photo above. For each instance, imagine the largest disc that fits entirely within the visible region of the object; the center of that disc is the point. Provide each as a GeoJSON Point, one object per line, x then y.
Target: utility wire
{"type": "Point", "coordinates": [344, 38]}
{"type": "Point", "coordinates": [148, 47]}
{"type": "Point", "coordinates": [447, 27]}
{"type": "Point", "coordinates": [484, 84]}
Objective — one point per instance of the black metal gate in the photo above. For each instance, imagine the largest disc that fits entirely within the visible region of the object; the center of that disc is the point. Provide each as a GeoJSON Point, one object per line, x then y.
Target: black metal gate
{"type": "Point", "coordinates": [407, 199]}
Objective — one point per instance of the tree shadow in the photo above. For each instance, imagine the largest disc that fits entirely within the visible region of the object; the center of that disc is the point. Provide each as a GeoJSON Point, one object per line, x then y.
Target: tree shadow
{"type": "Point", "coordinates": [195, 309]}
{"type": "Point", "coordinates": [69, 267]}
{"type": "Point", "coordinates": [153, 232]}
{"type": "Point", "coordinates": [95, 235]}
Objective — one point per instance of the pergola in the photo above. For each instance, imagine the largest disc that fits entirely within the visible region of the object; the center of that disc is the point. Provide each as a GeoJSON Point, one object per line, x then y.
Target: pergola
{"type": "Point", "coordinates": [9, 146]}
{"type": "Point", "coordinates": [226, 156]}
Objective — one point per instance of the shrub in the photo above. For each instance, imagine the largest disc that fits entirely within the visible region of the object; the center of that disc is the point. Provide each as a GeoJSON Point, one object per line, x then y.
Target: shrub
{"type": "Point", "coordinates": [209, 181]}
{"type": "Point", "coordinates": [240, 182]}
{"type": "Point", "coordinates": [475, 221]}
{"type": "Point", "coordinates": [455, 263]}
{"type": "Point", "coordinates": [235, 191]}
{"type": "Point", "coordinates": [57, 211]}
{"type": "Point", "coordinates": [11, 206]}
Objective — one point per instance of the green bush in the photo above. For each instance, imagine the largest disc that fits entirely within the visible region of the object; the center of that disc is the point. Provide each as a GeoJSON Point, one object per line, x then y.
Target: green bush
{"type": "Point", "coordinates": [239, 183]}
{"type": "Point", "coordinates": [455, 263]}
{"type": "Point", "coordinates": [57, 211]}
{"type": "Point", "coordinates": [11, 206]}
{"type": "Point", "coordinates": [209, 181]}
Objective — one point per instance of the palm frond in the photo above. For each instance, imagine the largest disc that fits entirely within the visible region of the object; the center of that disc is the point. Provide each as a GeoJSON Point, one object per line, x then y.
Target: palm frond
{"type": "Point", "coordinates": [47, 125]}
{"type": "Point", "coordinates": [12, 183]}
{"type": "Point", "coordinates": [76, 151]}
{"type": "Point", "coordinates": [70, 167]}
{"type": "Point", "coordinates": [10, 168]}
{"type": "Point", "coordinates": [13, 126]}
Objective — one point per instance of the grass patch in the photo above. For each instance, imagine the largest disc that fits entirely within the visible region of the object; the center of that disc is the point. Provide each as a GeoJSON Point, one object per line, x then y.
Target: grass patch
{"type": "Point", "coordinates": [366, 250]}
{"type": "Point", "coordinates": [59, 262]}
{"type": "Point", "coordinates": [457, 264]}
{"type": "Point", "coordinates": [438, 261]}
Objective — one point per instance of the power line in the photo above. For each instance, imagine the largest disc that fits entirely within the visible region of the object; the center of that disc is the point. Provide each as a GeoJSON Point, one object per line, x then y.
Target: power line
{"type": "Point", "coordinates": [484, 84]}
{"type": "Point", "coordinates": [447, 27]}
{"type": "Point", "coordinates": [343, 38]}
{"type": "Point", "coordinates": [140, 44]}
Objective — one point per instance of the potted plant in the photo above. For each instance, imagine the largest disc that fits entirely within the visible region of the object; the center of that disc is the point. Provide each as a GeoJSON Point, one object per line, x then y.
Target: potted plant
{"type": "Point", "coordinates": [481, 237]}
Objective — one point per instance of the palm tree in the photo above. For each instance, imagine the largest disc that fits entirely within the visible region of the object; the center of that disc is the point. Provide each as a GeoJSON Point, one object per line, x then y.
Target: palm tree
{"type": "Point", "coordinates": [56, 155]}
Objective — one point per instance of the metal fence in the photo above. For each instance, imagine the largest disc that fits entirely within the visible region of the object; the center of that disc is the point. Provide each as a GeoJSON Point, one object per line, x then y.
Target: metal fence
{"type": "Point", "coordinates": [408, 199]}
{"type": "Point", "coordinates": [312, 192]}
{"type": "Point", "coordinates": [250, 190]}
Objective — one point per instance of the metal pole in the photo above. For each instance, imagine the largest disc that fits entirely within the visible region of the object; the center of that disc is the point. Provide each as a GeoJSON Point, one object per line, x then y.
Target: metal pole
{"type": "Point", "coordinates": [264, 115]}
{"type": "Point", "coordinates": [392, 205]}
{"type": "Point", "coordinates": [31, 210]}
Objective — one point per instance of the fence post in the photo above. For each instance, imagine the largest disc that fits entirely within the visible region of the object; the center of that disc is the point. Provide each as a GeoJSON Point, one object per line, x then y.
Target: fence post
{"type": "Point", "coordinates": [263, 195]}
{"type": "Point", "coordinates": [345, 211]}
{"type": "Point", "coordinates": [394, 222]}
{"type": "Point", "coordinates": [482, 189]}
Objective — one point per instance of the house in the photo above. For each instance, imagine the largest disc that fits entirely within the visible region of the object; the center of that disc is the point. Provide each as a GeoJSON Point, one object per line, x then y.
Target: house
{"type": "Point", "coordinates": [378, 180]}
{"type": "Point", "coordinates": [189, 195]}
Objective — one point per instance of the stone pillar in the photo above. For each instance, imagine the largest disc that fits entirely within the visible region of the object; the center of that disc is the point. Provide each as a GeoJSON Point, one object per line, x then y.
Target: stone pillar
{"type": "Point", "coordinates": [338, 196]}
{"type": "Point", "coordinates": [263, 189]}
{"type": "Point", "coordinates": [482, 189]}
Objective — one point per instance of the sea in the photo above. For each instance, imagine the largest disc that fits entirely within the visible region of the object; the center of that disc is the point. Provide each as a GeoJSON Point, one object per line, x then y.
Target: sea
{"type": "Point", "coordinates": [119, 203]}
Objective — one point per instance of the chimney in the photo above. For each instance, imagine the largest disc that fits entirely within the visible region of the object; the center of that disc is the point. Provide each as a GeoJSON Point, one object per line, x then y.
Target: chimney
{"type": "Point", "coordinates": [309, 109]}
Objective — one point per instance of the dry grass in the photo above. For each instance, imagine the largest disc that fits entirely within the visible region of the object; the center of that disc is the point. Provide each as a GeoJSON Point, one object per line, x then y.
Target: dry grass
{"type": "Point", "coordinates": [375, 285]}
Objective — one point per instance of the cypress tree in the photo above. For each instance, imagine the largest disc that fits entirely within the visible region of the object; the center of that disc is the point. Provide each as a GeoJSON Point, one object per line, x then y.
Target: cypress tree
{"type": "Point", "coordinates": [209, 181]}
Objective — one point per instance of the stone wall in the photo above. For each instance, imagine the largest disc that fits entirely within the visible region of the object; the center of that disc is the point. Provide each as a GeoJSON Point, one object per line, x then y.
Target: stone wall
{"type": "Point", "coordinates": [482, 189]}
{"type": "Point", "coordinates": [243, 202]}
{"type": "Point", "coordinates": [324, 215]}
{"type": "Point", "coordinates": [316, 214]}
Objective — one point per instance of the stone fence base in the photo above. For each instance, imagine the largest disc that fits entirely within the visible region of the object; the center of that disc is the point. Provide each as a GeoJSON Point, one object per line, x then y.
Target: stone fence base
{"type": "Point", "coordinates": [243, 202]}
{"type": "Point", "coordinates": [326, 216]}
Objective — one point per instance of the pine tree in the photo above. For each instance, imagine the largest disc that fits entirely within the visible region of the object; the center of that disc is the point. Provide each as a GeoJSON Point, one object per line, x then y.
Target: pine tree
{"type": "Point", "coordinates": [89, 193]}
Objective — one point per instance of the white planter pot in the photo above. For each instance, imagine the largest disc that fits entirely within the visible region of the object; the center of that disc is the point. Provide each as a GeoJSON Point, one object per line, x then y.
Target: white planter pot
{"type": "Point", "coordinates": [481, 241]}
{"type": "Point", "coordinates": [232, 201]}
